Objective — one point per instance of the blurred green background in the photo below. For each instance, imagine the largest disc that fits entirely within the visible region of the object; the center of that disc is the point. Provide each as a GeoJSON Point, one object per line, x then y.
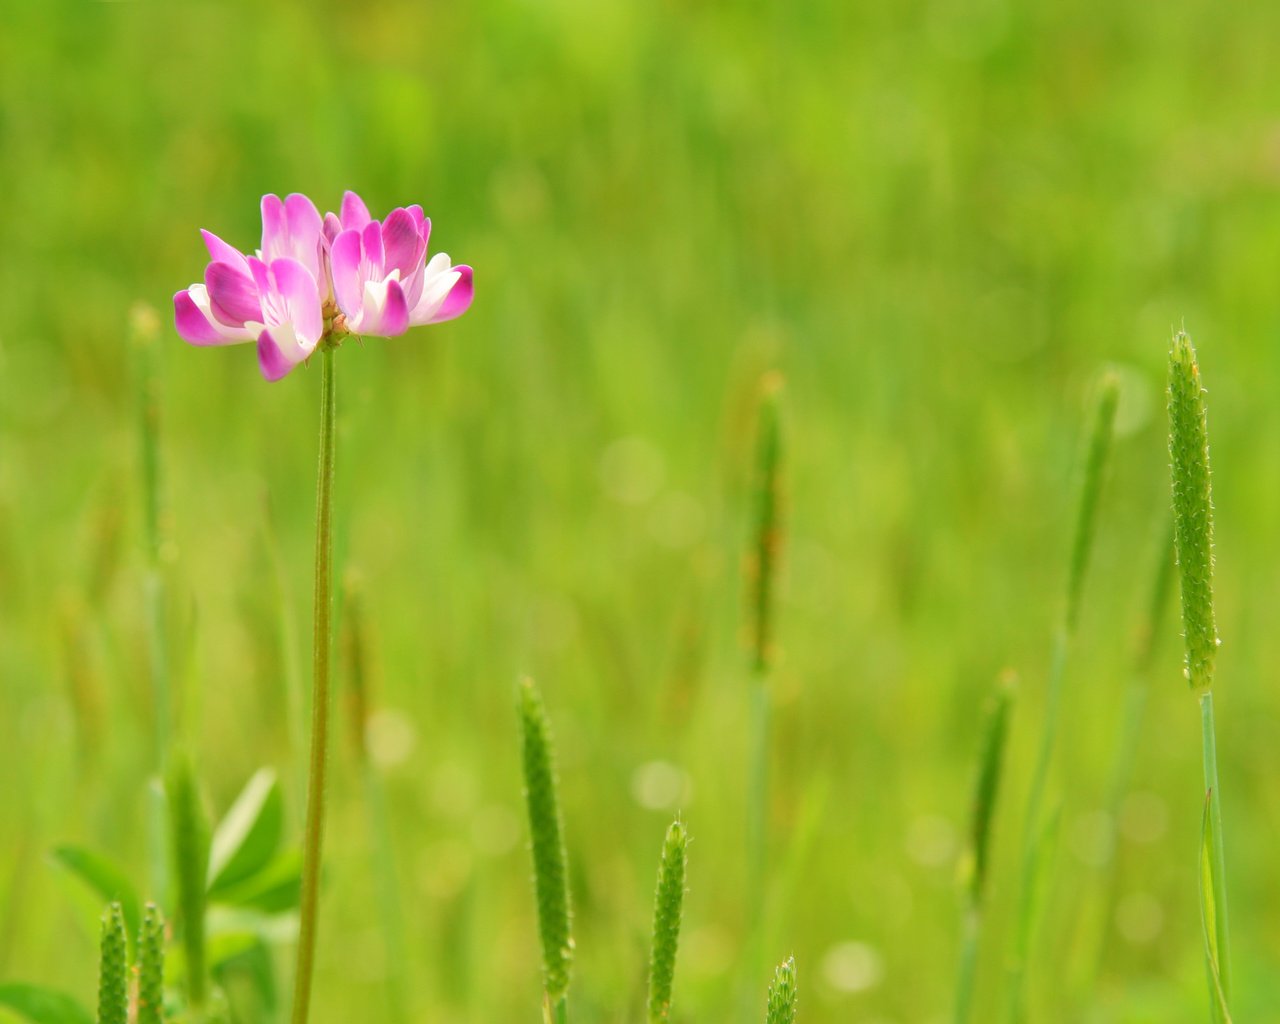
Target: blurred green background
{"type": "Point", "coordinates": [938, 220]}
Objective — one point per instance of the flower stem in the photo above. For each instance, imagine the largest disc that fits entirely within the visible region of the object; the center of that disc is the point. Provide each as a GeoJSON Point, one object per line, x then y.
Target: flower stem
{"type": "Point", "coordinates": [322, 676]}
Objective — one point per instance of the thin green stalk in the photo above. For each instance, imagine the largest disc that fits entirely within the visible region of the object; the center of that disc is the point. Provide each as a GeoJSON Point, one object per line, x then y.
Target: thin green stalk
{"type": "Point", "coordinates": [1102, 430]}
{"type": "Point", "coordinates": [986, 792]}
{"type": "Point", "coordinates": [145, 330]}
{"type": "Point", "coordinates": [313, 839]}
{"type": "Point", "coordinates": [1193, 534]}
{"type": "Point", "coordinates": [1219, 955]}
{"type": "Point", "coordinates": [762, 572]}
{"type": "Point", "coordinates": [969, 937]}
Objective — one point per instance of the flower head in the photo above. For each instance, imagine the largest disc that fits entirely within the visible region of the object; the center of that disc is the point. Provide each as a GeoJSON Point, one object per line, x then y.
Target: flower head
{"type": "Point", "coordinates": [314, 280]}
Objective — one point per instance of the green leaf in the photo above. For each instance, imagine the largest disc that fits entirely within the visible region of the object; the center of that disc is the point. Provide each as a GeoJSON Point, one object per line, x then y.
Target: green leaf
{"type": "Point", "coordinates": [274, 889]}
{"type": "Point", "coordinates": [1209, 916]}
{"type": "Point", "coordinates": [247, 838]}
{"type": "Point", "coordinates": [248, 977]}
{"type": "Point", "coordinates": [42, 1005]}
{"type": "Point", "coordinates": [105, 879]}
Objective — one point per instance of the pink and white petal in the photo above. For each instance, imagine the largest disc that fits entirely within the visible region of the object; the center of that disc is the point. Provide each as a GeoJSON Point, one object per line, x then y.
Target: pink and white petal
{"type": "Point", "coordinates": [402, 245]}
{"type": "Point", "coordinates": [371, 238]}
{"type": "Point", "coordinates": [438, 279]}
{"type": "Point", "coordinates": [221, 252]}
{"type": "Point", "coordinates": [419, 219]}
{"type": "Point", "coordinates": [261, 275]}
{"type": "Point", "coordinates": [300, 300]}
{"type": "Point", "coordinates": [458, 301]}
{"type": "Point", "coordinates": [305, 232]}
{"type": "Point", "coordinates": [395, 312]}
{"type": "Point", "coordinates": [384, 313]}
{"type": "Point", "coordinates": [233, 295]}
{"type": "Point", "coordinates": [354, 213]}
{"type": "Point", "coordinates": [302, 217]}
{"type": "Point", "coordinates": [348, 283]}
{"type": "Point", "coordinates": [413, 289]}
{"type": "Point", "coordinates": [332, 227]}
{"type": "Point", "coordinates": [195, 323]}
{"type": "Point", "coordinates": [275, 226]}
{"type": "Point", "coordinates": [279, 351]}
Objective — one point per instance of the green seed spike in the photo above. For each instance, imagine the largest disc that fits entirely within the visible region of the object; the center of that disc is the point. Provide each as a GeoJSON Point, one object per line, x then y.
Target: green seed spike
{"type": "Point", "coordinates": [782, 994]}
{"type": "Point", "coordinates": [550, 863]}
{"type": "Point", "coordinates": [189, 849]}
{"type": "Point", "coordinates": [113, 978]}
{"type": "Point", "coordinates": [988, 784]}
{"type": "Point", "coordinates": [668, 905]}
{"type": "Point", "coordinates": [1101, 432]}
{"type": "Point", "coordinates": [763, 562]}
{"type": "Point", "coordinates": [151, 967]}
{"type": "Point", "coordinates": [1192, 510]}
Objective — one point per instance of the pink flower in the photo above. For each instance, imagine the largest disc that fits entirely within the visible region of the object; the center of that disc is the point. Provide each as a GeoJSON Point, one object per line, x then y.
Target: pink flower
{"type": "Point", "coordinates": [315, 281]}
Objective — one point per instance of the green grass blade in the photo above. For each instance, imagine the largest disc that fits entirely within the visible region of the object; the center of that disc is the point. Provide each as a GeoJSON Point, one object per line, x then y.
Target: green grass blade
{"type": "Point", "coordinates": [668, 906]}
{"type": "Point", "coordinates": [767, 541]}
{"type": "Point", "coordinates": [1213, 866]}
{"type": "Point", "coordinates": [986, 791]}
{"type": "Point", "coordinates": [1101, 432]}
{"type": "Point", "coordinates": [550, 862]}
{"type": "Point", "coordinates": [987, 787]}
{"type": "Point", "coordinates": [249, 833]}
{"type": "Point", "coordinates": [189, 851]}
{"type": "Point", "coordinates": [113, 970]}
{"type": "Point", "coordinates": [783, 994]}
{"type": "Point", "coordinates": [1209, 915]}
{"type": "Point", "coordinates": [106, 879]}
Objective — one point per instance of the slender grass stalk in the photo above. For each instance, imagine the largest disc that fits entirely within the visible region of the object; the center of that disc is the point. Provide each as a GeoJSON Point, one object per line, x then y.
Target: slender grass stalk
{"type": "Point", "coordinates": [550, 862]}
{"type": "Point", "coordinates": [1101, 432]}
{"type": "Point", "coordinates": [189, 847]}
{"type": "Point", "coordinates": [986, 791]}
{"type": "Point", "coordinates": [1135, 700]}
{"type": "Point", "coordinates": [113, 971]}
{"type": "Point", "coordinates": [313, 839]}
{"type": "Point", "coordinates": [151, 967]}
{"type": "Point", "coordinates": [354, 653]}
{"type": "Point", "coordinates": [783, 994]}
{"type": "Point", "coordinates": [1193, 536]}
{"type": "Point", "coordinates": [145, 332]}
{"type": "Point", "coordinates": [668, 905]}
{"type": "Point", "coordinates": [762, 569]}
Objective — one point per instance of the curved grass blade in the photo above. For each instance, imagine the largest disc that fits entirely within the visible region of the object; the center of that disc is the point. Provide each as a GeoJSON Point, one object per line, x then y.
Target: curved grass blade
{"type": "Point", "coordinates": [1209, 915]}
{"type": "Point", "coordinates": [106, 879]}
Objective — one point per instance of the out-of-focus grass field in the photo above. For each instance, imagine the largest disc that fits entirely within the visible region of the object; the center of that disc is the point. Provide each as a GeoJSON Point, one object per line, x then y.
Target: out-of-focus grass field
{"type": "Point", "coordinates": [938, 220]}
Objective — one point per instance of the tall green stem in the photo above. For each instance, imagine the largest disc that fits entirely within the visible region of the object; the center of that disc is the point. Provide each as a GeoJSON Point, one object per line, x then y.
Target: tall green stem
{"type": "Point", "coordinates": [322, 676]}
{"type": "Point", "coordinates": [1217, 859]}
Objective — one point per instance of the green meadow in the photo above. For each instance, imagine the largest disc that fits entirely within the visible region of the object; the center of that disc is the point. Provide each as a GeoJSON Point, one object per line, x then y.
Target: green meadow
{"type": "Point", "coordinates": [939, 223]}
